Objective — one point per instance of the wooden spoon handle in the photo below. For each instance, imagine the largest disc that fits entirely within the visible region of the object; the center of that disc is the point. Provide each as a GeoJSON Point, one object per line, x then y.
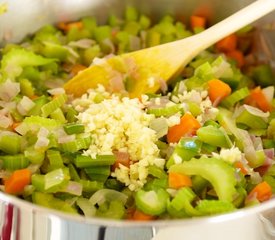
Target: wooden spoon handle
{"type": "Point", "coordinates": [233, 23]}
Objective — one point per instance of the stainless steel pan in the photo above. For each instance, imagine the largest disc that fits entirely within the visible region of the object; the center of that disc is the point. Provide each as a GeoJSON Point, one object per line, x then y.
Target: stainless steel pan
{"type": "Point", "coordinates": [21, 220]}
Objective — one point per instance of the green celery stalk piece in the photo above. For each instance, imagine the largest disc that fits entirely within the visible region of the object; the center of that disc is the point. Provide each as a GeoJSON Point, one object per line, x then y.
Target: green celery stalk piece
{"type": "Point", "coordinates": [91, 186]}
{"type": "Point", "coordinates": [82, 161]}
{"type": "Point", "coordinates": [54, 104]}
{"type": "Point", "coordinates": [74, 128]}
{"type": "Point", "coordinates": [183, 201]}
{"type": "Point", "coordinates": [10, 143]}
{"type": "Point", "coordinates": [56, 178]}
{"type": "Point", "coordinates": [219, 173]}
{"type": "Point", "coordinates": [16, 59]}
{"type": "Point", "coordinates": [14, 162]}
{"type": "Point", "coordinates": [113, 210]}
{"type": "Point", "coordinates": [184, 151]}
{"type": "Point", "coordinates": [213, 136]}
{"type": "Point", "coordinates": [152, 202]}
{"type": "Point", "coordinates": [210, 207]}
{"type": "Point", "coordinates": [252, 121]}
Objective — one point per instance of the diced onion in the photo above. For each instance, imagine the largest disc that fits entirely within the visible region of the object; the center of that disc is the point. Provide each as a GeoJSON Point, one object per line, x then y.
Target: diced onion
{"type": "Point", "coordinates": [256, 111]}
{"type": "Point", "coordinates": [8, 90]}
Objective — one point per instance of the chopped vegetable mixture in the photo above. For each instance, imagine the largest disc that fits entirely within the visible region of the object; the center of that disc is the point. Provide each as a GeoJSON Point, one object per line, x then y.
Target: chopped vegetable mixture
{"type": "Point", "coordinates": [203, 145]}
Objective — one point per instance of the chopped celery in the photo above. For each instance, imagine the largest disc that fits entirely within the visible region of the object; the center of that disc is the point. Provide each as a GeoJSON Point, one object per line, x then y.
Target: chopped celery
{"type": "Point", "coordinates": [14, 162]}
{"type": "Point", "coordinates": [51, 106]}
{"type": "Point", "coordinates": [76, 145]}
{"type": "Point", "coordinates": [112, 183]}
{"type": "Point", "coordinates": [16, 59]}
{"type": "Point", "coordinates": [56, 178]}
{"type": "Point", "coordinates": [160, 126]}
{"type": "Point", "coordinates": [157, 172]}
{"type": "Point", "coordinates": [166, 111]}
{"type": "Point", "coordinates": [90, 186]}
{"type": "Point", "coordinates": [114, 210]}
{"type": "Point", "coordinates": [183, 201]}
{"type": "Point", "coordinates": [73, 172]}
{"type": "Point", "coordinates": [152, 202]}
{"type": "Point", "coordinates": [250, 120]}
{"type": "Point", "coordinates": [35, 156]}
{"type": "Point", "coordinates": [210, 207]}
{"type": "Point", "coordinates": [131, 14]}
{"type": "Point", "coordinates": [235, 97]}
{"type": "Point", "coordinates": [10, 143]}
{"type": "Point", "coordinates": [26, 87]}
{"type": "Point", "coordinates": [74, 128]}
{"type": "Point", "coordinates": [100, 173]}
{"type": "Point", "coordinates": [58, 115]}
{"type": "Point", "coordinates": [213, 136]}
{"type": "Point", "coordinates": [55, 159]}
{"type": "Point", "coordinates": [184, 151]}
{"type": "Point", "coordinates": [263, 75]}
{"type": "Point", "coordinates": [48, 200]}
{"type": "Point", "coordinates": [82, 161]}
{"type": "Point", "coordinates": [219, 173]}
{"type": "Point", "coordinates": [39, 102]}
{"type": "Point", "coordinates": [54, 50]}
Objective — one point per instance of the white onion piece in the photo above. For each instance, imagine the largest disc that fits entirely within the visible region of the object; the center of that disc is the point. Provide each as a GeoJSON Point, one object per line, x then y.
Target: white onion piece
{"type": "Point", "coordinates": [103, 195]}
{"type": "Point", "coordinates": [256, 111]}
{"type": "Point", "coordinates": [41, 142]}
{"type": "Point", "coordinates": [269, 93]}
{"type": "Point", "coordinates": [25, 105]}
{"type": "Point", "coordinates": [43, 132]}
{"type": "Point", "coordinates": [8, 90]}
{"type": "Point", "coordinates": [109, 44]}
{"type": "Point", "coordinates": [72, 187]}
{"type": "Point", "coordinates": [82, 43]}
{"type": "Point", "coordinates": [56, 91]}
{"type": "Point", "coordinates": [5, 121]}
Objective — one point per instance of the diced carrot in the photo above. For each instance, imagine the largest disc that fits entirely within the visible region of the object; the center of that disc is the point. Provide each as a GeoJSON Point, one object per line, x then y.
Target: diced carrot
{"type": "Point", "coordinates": [227, 44]}
{"type": "Point", "coordinates": [121, 158]}
{"type": "Point", "coordinates": [17, 181]}
{"type": "Point", "coordinates": [77, 68]}
{"type": "Point", "coordinates": [218, 90]}
{"type": "Point", "coordinates": [197, 22]}
{"type": "Point", "coordinates": [178, 180]}
{"type": "Point", "coordinates": [33, 97]}
{"type": "Point", "coordinates": [141, 216]}
{"type": "Point", "coordinates": [261, 191]}
{"type": "Point", "coordinates": [238, 56]}
{"type": "Point", "coordinates": [188, 126]}
{"type": "Point", "coordinates": [240, 166]}
{"type": "Point", "coordinates": [258, 99]}
{"type": "Point", "coordinates": [67, 26]}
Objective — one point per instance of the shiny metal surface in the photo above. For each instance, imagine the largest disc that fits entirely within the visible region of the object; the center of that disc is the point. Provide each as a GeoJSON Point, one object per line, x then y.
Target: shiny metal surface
{"type": "Point", "coordinates": [20, 220]}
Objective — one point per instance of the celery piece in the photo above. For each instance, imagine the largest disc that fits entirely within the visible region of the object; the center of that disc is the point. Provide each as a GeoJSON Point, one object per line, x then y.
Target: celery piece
{"type": "Point", "coordinates": [183, 201]}
{"type": "Point", "coordinates": [132, 28]}
{"type": "Point", "coordinates": [74, 128]}
{"type": "Point", "coordinates": [213, 136]}
{"type": "Point", "coordinates": [73, 172]}
{"type": "Point", "coordinates": [88, 209]}
{"type": "Point", "coordinates": [250, 120]}
{"type": "Point", "coordinates": [152, 202]}
{"type": "Point", "coordinates": [235, 97]}
{"type": "Point", "coordinates": [47, 33]}
{"type": "Point", "coordinates": [165, 111]}
{"type": "Point", "coordinates": [271, 181]}
{"type": "Point", "coordinates": [26, 87]}
{"type": "Point", "coordinates": [208, 148]}
{"type": "Point", "coordinates": [152, 38]}
{"type": "Point", "coordinates": [90, 53]}
{"type": "Point", "coordinates": [14, 162]}
{"type": "Point", "coordinates": [71, 114]}
{"type": "Point", "coordinates": [112, 183]}
{"type": "Point", "coordinates": [157, 172]}
{"type": "Point", "coordinates": [82, 161]}
{"type": "Point", "coordinates": [34, 123]}
{"type": "Point", "coordinates": [38, 181]}
{"type": "Point", "coordinates": [16, 59]}
{"type": "Point", "coordinates": [144, 22]}
{"type": "Point", "coordinates": [156, 183]}
{"type": "Point", "coordinates": [181, 31]}
{"type": "Point", "coordinates": [89, 23]}
{"type": "Point", "coordinates": [55, 159]}
{"type": "Point", "coordinates": [175, 213]}
{"type": "Point", "coordinates": [90, 186]}
{"type": "Point", "coordinates": [54, 104]}
{"type": "Point", "coordinates": [199, 184]}
{"type": "Point", "coordinates": [10, 143]}
{"type": "Point", "coordinates": [112, 210]}
{"type": "Point", "coordinates": [48, 200]}
{"type": "Point", "coordinates": [35, 156]}
{"type": "Point", "coordinates": [131, 14]}
{"type": "Point", "coordinates": [114, 21]}
{"type": "Point", "coordinates": [194, 108]}
{"type": "Point", "coordinates": [81, 142]}
{"type": "Point", "coordinates": [56, 178]}
{"type": "Point", "coordinates": [53, 50]}
{"type": "Point", "coordinates": [98, 173]}
{"type": "Point", "coordinates": [219, 173]}
{"type": "Point", "coordinates": [103, 32]}
{"type": "Point", "coordinates": [240, 198]}
{"type": "Point", "coordinates": [268, 143]}
{"type": "Point", "coordinates": [210, 207]}
{"type": "Point", "coordinates": [39, 102]}
{"type": "Point", "coordinates": [184, 151]}
{"type": "Point", "coordinates": [263, 75]}
{"type": "Point", "coordinates": [58, 115]}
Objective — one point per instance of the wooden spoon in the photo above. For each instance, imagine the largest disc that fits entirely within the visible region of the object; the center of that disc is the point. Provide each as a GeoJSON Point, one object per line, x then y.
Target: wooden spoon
{"type": "Point", "coordinates": [160, 63]}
